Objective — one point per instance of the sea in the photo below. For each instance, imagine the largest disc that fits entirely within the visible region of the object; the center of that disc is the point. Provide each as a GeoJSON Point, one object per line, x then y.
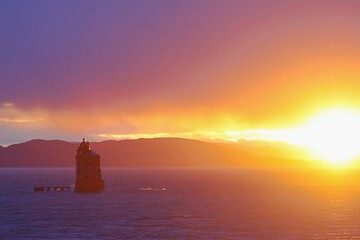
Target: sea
{"type": "Point", "coordinates": [183, 203]}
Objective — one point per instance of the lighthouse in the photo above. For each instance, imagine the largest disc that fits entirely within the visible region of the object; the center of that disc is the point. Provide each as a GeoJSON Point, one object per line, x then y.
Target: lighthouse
{"type": "Point", "coordinates": [88, 173]}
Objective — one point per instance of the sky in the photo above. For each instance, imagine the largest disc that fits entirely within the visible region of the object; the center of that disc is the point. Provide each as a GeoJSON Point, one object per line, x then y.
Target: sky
{"type": "Point", "coordinates": [190, 68]}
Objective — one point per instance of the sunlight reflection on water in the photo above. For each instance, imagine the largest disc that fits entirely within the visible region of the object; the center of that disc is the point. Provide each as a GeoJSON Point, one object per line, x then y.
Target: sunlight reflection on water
{"type": "Point", "coordinates": [196, 204]}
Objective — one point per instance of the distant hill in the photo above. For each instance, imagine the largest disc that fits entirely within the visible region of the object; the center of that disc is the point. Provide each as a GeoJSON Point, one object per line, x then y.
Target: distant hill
{"type": "Point", "coordinates": [158, 152]}
{"type": "Point", "coordinates": [38, 153]}
{"type": "Point", "coordinates": [271, 148]}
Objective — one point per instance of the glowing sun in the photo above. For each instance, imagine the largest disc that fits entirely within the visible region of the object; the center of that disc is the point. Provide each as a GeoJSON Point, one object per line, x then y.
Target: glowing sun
{"type": "Point", "coordinates": [333, 135]}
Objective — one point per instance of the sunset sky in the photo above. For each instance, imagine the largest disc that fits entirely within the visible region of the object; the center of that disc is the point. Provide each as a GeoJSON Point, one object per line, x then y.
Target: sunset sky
{"type": "Point", "coordinates": [198, 68]}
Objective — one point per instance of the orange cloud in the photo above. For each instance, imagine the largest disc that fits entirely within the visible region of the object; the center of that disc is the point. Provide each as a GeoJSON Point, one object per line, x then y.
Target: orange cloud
{"type": "Point", "coordinates": [10, 114]}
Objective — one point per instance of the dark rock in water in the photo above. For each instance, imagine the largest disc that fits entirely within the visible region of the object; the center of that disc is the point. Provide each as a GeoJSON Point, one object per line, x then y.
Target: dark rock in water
{"type": "Point", "coordinates": [39, 189]}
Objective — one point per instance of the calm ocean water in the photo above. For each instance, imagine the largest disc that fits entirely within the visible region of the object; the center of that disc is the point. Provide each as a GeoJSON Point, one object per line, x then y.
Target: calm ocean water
{"type": "Point", "coordinates": [183, 204]}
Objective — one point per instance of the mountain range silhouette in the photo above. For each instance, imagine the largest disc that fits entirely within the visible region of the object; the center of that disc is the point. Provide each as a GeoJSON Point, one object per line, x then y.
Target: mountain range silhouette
{"type": "Point", "coordinates": [157, 152]}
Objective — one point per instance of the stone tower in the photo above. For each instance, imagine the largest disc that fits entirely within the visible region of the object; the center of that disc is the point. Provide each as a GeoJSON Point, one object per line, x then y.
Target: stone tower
{"type": "Point", "coordinates": [88, 173]}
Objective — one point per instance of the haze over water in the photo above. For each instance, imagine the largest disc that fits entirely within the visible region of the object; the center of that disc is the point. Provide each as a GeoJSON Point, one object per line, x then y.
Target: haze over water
{"type": "Point", "coordinates": [184, 204]}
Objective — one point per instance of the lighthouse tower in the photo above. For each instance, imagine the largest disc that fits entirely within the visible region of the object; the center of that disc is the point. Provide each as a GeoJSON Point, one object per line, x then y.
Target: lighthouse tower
{"type": "Point", "coordinates": [88, 173]}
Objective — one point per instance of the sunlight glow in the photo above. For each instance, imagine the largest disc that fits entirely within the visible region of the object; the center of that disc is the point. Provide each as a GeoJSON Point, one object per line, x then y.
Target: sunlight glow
{"type": "Point", "coordinates": [333, 135]}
